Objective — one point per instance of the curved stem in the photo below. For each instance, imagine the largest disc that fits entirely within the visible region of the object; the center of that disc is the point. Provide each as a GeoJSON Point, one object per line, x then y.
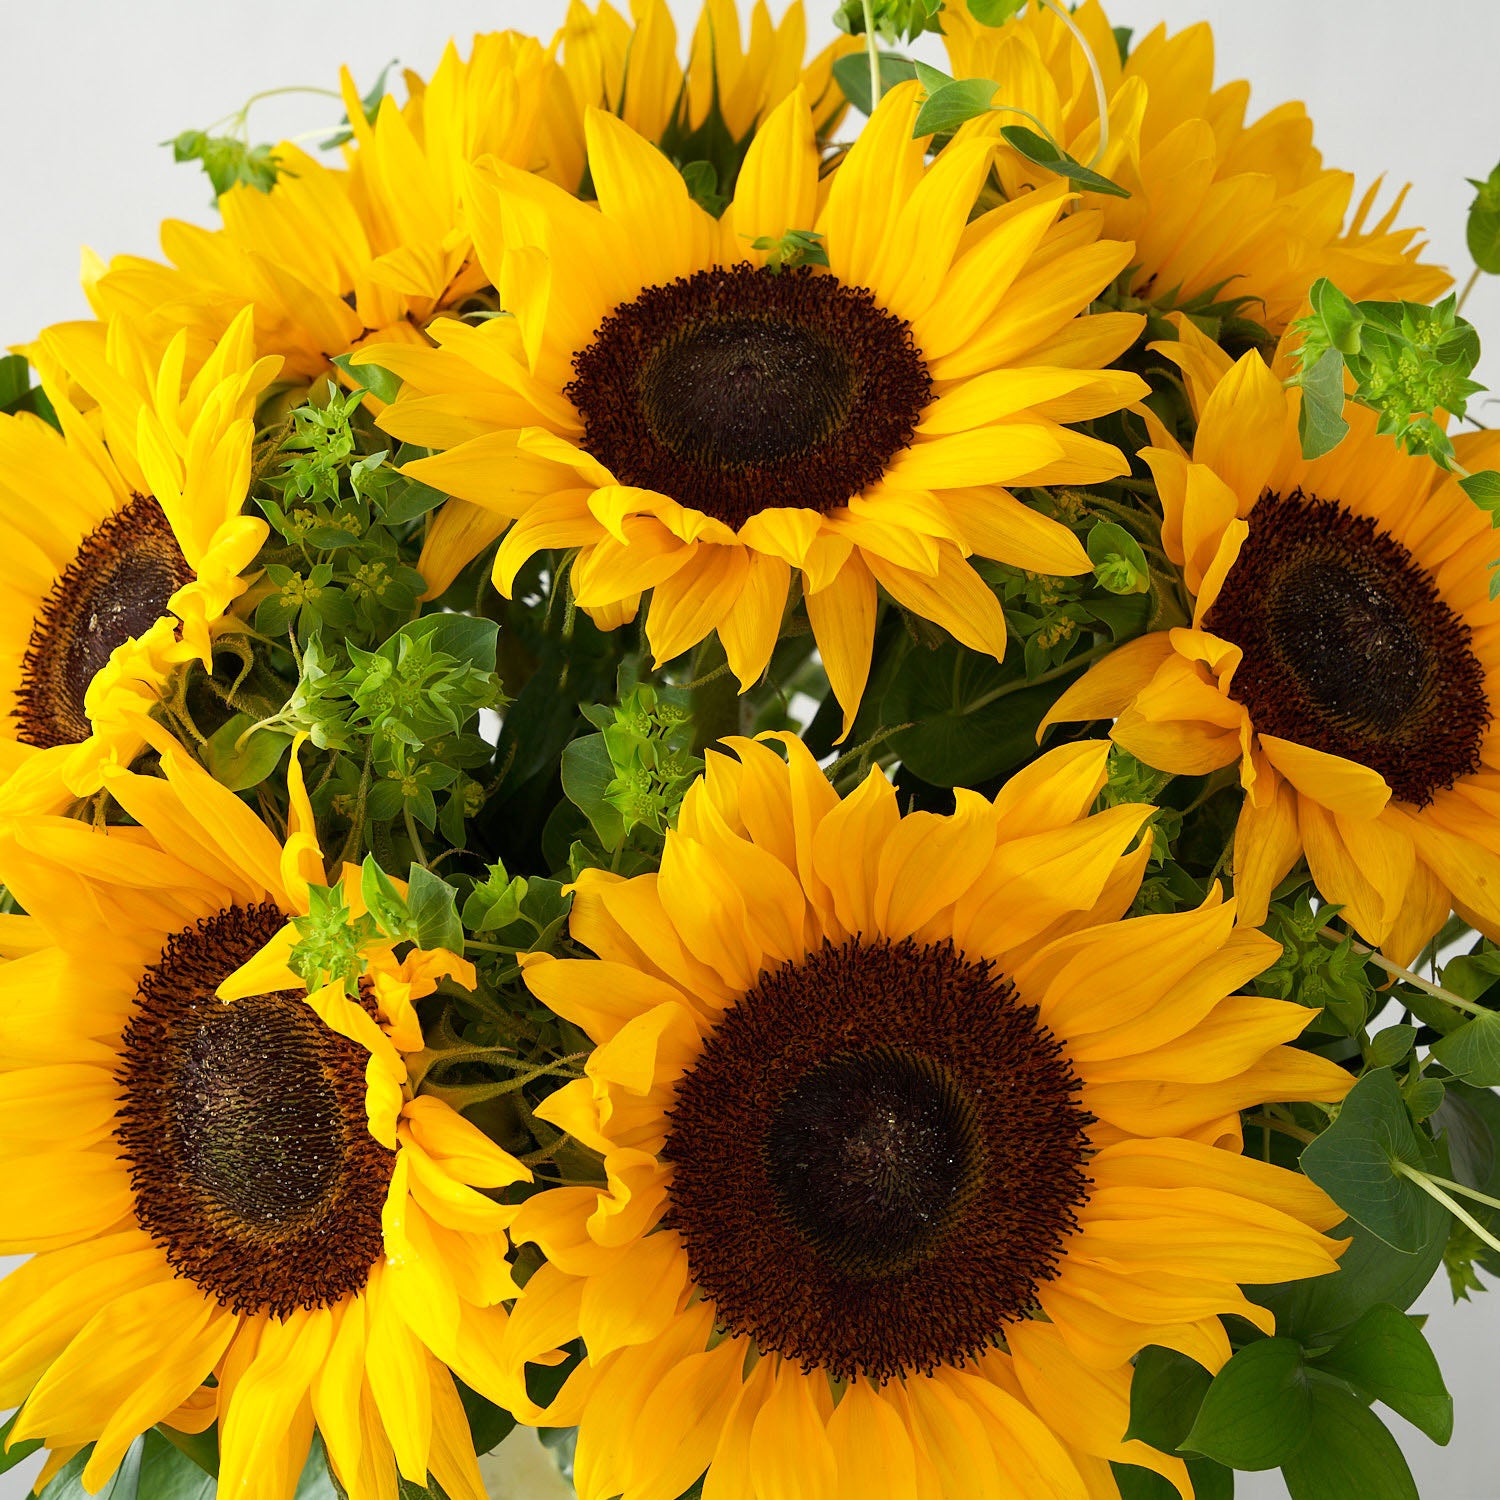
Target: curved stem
{"type": "Point", "coordinates": [874, 54]}
{"type": "Point", "coordinates": [1459, 1212]}
{"type": "Point", "coordinates": [1405, 975]}
{"type": "Point", "coordinates": [1469, 286]}
{"type": "Point", "coordinates": [411, 832]}
{"type": "Point", "coordinates": [1099, 92]}
{"type": "Point", "coordinates": [1072, 664]}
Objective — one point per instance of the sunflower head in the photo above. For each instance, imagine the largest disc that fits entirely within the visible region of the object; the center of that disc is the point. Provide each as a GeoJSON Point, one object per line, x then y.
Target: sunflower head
{"type": "Point", "coordinates": [899, 1120]}
{"type": "Point", "coordinates": [1220, 209]}
{"type": "Point", "coordinates": [702, 425]}
{"type": "Point", "coordinates": [1342, 653]}
{"type": "Point", "coordinates": [239, 1209]}
{"type": "Point", "coordinates": [128, 543]}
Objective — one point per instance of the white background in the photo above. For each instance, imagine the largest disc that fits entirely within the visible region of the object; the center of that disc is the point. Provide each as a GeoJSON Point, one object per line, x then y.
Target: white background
{"type": "Point", "coordinates": [88, 87]}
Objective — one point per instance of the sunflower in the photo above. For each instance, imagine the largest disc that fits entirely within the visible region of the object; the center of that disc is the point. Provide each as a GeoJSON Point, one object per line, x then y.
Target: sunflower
{"type": "Point", "coordinates": [124, 545]}
{"type": "Point", "coordinates": [1343, 653]}
{"type": "Point", "coordinates": [331, 256]}
{"type": "Point", "coordinates": [911, 1143]}
{"type": "Point", "coordinates": [1217, 208]}
{"type": "Point", "coordinates": [239, 1188]}
{"type": "Point", "coordinates": [728, 87]}
{"type": "Point", "coordinates": [701, 426]}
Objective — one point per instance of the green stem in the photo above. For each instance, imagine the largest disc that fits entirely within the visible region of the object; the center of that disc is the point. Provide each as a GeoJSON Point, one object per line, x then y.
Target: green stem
{"type": "Point", "coordinates": [850, 756]}
{"type": "Point", "coordinates": [1468, 1192]}
{"type": "Point", "coordinates": [1099, 92]}
{"type": "Point", "coordinates": [874, 54]}
{"type": "Point", "coordinates": [1072, 664]}
{"type": "Point", "coordinates": [1469, 286]}
{"type": "Point", "coordinates": [1295, 1131]}
{"type": "Point", "coordinates": [411, 832]}
{"type": "Point", "coordinates": [356, 837]}
{"type": "Point", "coordinates": [1405, 975]}
{"type": "Point", "coordinates": [1430, 1187]}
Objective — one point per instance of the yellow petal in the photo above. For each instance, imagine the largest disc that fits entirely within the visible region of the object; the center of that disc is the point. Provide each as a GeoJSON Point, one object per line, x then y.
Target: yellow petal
{"type": "Point", "coordinates": [1342, 786]}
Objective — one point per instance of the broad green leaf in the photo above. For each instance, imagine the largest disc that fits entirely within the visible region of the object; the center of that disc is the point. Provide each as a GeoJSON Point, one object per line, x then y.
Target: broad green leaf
{"type": "Point", "coordinates": [1385, 1357]}
{"type": "Point", "coordinates": [316, 1482]}
{"type": "Point", "coordinates": [123, 1484]}
{"type": "Point", "coordinates": [10, 1457]}
{"type": "Point", "coordinates": [1348, 1453]}
{"type": "Point", "coordinates": [994, 12]}
{"type": "Point", "coordinates": [241, 765]}
{"type": "Point", "coordinates": [1342, 320]}
{"type": "Point", "coordinates": [489, 1425]}
{"type": "Point", "coordinates": [1352, 1161]}
{"type": "Point", "coordinates": [852, 74]}
{"type": "Point", "coordinates": [383, 901]}
{"type": "Point", "coordinates": [202, 1448]}
{"type": "Point", "coordinates": [1044, 153]}
{"type": "Point", "coordinates": [408, 500]}
{"type": "Point", "coordinates": [1470, 1120]}
{"type": "Point", "coordinates": [1166, 1391]}
{"type": "Point", "coordinates": [1483, 489]}
{"type": "Point", "coordinates": [1484, 223]}
{"type": "Point", "coordinates": [931, 79]}
{"type": "Point", "coordinates": [434, 915]}
{"type": "Point", "coordinates": [587, 771]}
{"type": "Point", "coordinates": [1320, 422]}
{"type": "Point", "coordinates": [167, 1473]}
{"type": "Point", "coordinates": [1211, 1481]}
{"type": "Point", "coordinates": [17, 394]}
{"type": "Point", "coordinates": [466, 637]}
{"type": "Point", "coordinates": [952, 104]}
{"type": "Point", "coordinates": [1257, 1411]}
{"type": "Point", "coordinates": [1119, 563]}
{"type": "Point", "coordinates": [1473, 1051]}
{"type": "Point", "coordinates": [378, 381]}
{"type": "Point", "coordinates": [1390, 1046]}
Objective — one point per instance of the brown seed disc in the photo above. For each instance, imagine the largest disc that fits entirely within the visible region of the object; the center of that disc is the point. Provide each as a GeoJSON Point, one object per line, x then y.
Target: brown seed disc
{"type": "Point", "coordinates": [1349, 648]}
{"type": "Point", "coordinates": [244, 1126]}
{"type": "Point", "coordinates": [116, 588]}
{"type": "Point", "coordinates": [877, 1159]}
{"type": "Point", "coordinates": [736, 391]}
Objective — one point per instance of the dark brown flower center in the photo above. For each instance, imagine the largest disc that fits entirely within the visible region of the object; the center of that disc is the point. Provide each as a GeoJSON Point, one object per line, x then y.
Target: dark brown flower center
{"type": "Point", "coordinates": [244, 1126]}
{"type": "Point", "coordinates": [736, 391]}
{"type": "Point", "coordinates": [116, 588]}
{"type": "Point", "coordinates": [876, 1159]}
{"type": "Point", "coordinates": [1349, 648]}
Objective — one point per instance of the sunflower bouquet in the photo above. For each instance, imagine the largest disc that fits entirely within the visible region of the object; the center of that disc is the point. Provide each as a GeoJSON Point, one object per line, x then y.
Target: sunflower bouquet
{"type": "Point", "coordinates": [814, 804]}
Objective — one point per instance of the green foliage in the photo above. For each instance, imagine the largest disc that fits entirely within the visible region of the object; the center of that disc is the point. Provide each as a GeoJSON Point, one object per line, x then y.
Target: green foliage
{"type": "Point", "coordinates": [1119, 564]}
{"type": "Point", "coordinates": [852, 74]}
{"type": "Point", "coordinates": [17, 394]}
{"type": "Point", "coordinates": [894, 20]}
{"type": "Point", "coordinates": [1348, 1453]}
{"type": "Point", "coordinates": [1354, 1162]}
{"type": "Point", "coordinates": [702, 179]}
{"type": "Point", "coordinates": [1332, 977]}
{"type": "Point", "coordinates": [329, 939]}
{"type": "Point", "coordinates": [1258, 1411]}
{"type": "Point", "coordinates": [1409, 362]}
{"type": "Point", "coordinates": [1472, 1051]}
{"type": "Point", "coordinates": [995, 12]}
{"type": "Point", "coordinates": [227, 160]}
{"type": "Point", "coordinates": [797, 247]}
{"type": "Point", "coordinates": [1042, 152]}
{"type": "Point", "coordinates": [1385, 1358]}
{"type": "Point", "coordinates": [1484, 223]}
{"type": "Point", "coordinates": [369, 103]}
{"type": "Point", "coordinates": [18, 1452]}
{"type": "Point", "coordinates": [950, 102]}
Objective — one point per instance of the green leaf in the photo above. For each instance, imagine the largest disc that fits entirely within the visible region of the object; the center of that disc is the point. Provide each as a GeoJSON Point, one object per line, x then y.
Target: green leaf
{"type": "Point", "coordinates": [201, 1448]}
{"type": "Point", "coordinates": [1320, 422]}
{"type": "Point", "coordinates": [434, 911]}
{"type": "Point", "coordinates": [378, 381]}
{"type": "Point", "coordinates": [316, 1481]}
{"type": "Point", "coordinates": [241, 765]}
{"type": "Point", "coordinates": [1352, 1161]}
{"type": "Point", "coordinates": [17, 394]}
{"type": "Point", "coordinates": [1348, 1453]}
{"type": "Point", "coordinates": [994, 12]}
{"type": "Point", "coordinates": [369, 104]}
{"type": "Point", "coordinates": [1390, 1046]}
{"type": "Point", "coordinates": [123, 1484]}
{"type": "Point", "coordinates": [1385, 1357]}
{"type": "Point", "coordinates": [1473, 1051]}
{"type": "Point", "coordinates": [1258, 1410]}
{"type": "Point", "coordinates": [951, 104]}
{"type": "Point", "coordinates": [1211, 1481]}
{"type": "Point", "coordinates": [702, 179]}
{"type": "Point", "coordinates": [1484, 224]}
{"type": "Point", "coordinates": [1166, 1392]}
{"type": "Point", "coordinates": [1041, 152]}
{"type": "Point", "coordinates": [1341, 319]}
{"type": "Point", "coordinates": [489, 1425]}
{"type": "Point", "coordinates": [1483, 489]}
{"type": "Point", "coordinates": [1119, 563]}
{"type": "Point", "coordinates": [167, 1473]}
{"type": "Point", "coordinates": [383, 901]}
{"type": "Point", "coordinates": [10, 1457]}
{"type": "Point", "coordinates": [852, 74]}
{"type": "Point", "coordinates": [467, 638]}
{"type": "Point", "coordinates": [587, 772]}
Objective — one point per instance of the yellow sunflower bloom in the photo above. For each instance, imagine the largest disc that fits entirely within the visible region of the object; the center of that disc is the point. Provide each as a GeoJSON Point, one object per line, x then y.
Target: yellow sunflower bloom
{"type": "Point", "coordinates": [911, 1144]}
{"type": "Point", "coordinates": [124, 544]}
{"type": "Point", "coordinates": [241, 1188]}
{"type": "Point", "coordinates": [632, 71]}
{"type": "Point", "coordinates": [698, 426]}
{"type": "Point", "coordinates": [1214, 202]}
{"type": "Point", "coordinates": [331, 256]}
{"type": "Point", "coordinates": [1343, 652]}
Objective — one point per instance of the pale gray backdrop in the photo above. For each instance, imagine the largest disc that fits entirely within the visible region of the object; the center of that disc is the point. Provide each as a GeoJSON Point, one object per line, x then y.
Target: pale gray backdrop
{"type": "Point", "coordinates": [88, 87]}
